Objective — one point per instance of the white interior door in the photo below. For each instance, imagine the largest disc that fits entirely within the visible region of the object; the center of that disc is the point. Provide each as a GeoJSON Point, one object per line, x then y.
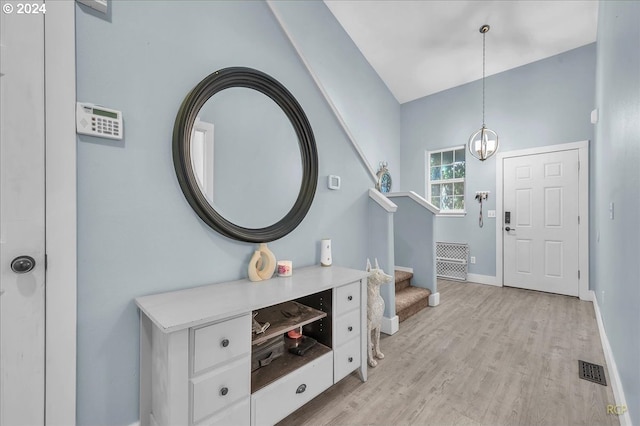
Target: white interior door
{"type": "Point", "coordinates": [22, 216]}
{"type": "Point", "coordinates": [202, 153]}
{"type": "Point", "coordinates": [540, 193]}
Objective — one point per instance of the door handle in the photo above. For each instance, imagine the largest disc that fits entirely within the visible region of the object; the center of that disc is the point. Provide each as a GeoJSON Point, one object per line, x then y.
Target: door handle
{"type": "Point", "coordinates": [23, 264]}
{"type": "Point", "coordinates": [509, 229]}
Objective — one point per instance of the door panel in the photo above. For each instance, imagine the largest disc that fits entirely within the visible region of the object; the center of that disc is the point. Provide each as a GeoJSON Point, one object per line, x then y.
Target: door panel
{"type": "Point", "coordinates": [553, 198]}
{"type": "Point", "coordinates": [22, 218]}
{"type": "Point", "coordinates": [553, 258]}
{"type": "Point", "coordinates": [523, 262]}
{"type": "Point", "coordinates": [523, 212]}
{"type": "Point", "coordinates": [541, 247]}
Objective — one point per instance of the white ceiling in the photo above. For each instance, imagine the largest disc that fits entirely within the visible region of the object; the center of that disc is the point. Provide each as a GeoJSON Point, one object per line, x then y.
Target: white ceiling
{"type": "Point", "coordinates": [421, 47]}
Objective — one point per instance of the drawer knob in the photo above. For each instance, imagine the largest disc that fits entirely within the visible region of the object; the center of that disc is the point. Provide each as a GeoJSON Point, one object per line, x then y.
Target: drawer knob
{"type": "Point", "coordinates": [350, 328]}
{"type": "Point", "coordinates": [301, 388]}
{"type": "Point", "coordinates": [350, 359]}
{"type": "Point", "coordinates": [224, 391]}
{"type": "Point", "coordinates": [350, 298]}
{"type": "Point", "coordinates": [225, 343]}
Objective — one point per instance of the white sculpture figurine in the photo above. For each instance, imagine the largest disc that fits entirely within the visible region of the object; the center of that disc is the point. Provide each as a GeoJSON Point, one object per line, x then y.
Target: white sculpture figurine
{"type": "Point", "coordinates": [375, 305]}
{"type": "Point", "coordinates": [262, 264]}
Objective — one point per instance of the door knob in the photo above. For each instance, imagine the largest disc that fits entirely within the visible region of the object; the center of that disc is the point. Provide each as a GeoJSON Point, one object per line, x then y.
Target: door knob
{"type": "Point", "coordinates": [23, 264]}
{"type": "Point", "coordinates": [509, 229]}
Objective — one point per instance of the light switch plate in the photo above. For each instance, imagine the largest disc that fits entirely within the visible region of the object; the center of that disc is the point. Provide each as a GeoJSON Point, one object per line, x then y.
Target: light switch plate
{"type": "Point", "coordinates": [611, 208]}
{"type": "Point", "coordinates": [491, 213]}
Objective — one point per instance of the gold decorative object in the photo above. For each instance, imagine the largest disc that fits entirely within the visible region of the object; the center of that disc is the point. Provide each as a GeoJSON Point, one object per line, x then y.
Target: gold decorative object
{"type": "Point", "coordinates": [262, 264]}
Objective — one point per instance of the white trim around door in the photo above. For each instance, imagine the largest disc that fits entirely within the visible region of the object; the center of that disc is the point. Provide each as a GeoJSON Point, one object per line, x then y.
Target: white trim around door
{"type": "Point", "coordinates": [60, 194]}
{"type": "Point", "coordinates": [583, 207]}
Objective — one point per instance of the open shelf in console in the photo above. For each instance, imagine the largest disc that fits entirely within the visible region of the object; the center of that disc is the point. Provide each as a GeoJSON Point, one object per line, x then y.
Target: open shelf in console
{"type": "Point", "coordinates": [313, 314]}
{"type": "Point", "coordinates": [284, 317]}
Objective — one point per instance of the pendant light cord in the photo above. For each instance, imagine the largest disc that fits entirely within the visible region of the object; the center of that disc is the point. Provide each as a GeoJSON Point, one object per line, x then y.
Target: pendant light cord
{"type": "Point", "coordinates": [484, 35]}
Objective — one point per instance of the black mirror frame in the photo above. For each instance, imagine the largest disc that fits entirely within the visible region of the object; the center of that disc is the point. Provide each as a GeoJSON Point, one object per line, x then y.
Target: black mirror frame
{"type": "Point", "coordinates": [195, 99]}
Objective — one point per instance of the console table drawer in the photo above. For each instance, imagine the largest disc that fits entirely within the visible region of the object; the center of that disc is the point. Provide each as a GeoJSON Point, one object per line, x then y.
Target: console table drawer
{"type": "Point", "coordinates": [347, 327]}
{"type": "Point", "coordinates": [220, 388]}
{"type": "Point", "coordinates": [348, 297]}
{"type": "Point", "coordinates": [220, 342]}
{"type": "Point", "coordinates": [281, 398]}
{"type": "Point", "coordinates": [347, 358]}
{"type": "Point", "coordinates": [239, 414]}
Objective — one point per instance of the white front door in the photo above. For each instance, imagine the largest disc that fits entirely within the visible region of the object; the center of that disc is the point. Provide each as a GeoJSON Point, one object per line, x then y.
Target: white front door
{"type": "Point", "coordinates": [540, 194]}
{"type": "Point", "coordinates": [22, 216]}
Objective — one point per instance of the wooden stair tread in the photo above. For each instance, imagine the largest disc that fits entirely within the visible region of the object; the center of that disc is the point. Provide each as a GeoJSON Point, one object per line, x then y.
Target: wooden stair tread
{"type": "Point", "coordinates": [402, 275]}
{"type": "Point", "coordinates": [409, 299]}
{"type": "Point", "coordinates": [403, 279]}
{"type": "Point", "coordinates": [409, 296]}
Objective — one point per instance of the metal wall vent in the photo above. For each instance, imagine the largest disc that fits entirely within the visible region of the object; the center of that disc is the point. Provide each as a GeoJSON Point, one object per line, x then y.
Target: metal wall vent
{"type": "Point", "coordinates": [592, 372]}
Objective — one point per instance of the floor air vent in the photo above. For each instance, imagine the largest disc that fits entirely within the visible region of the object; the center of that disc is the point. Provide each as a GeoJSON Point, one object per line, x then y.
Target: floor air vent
{"type": "Point", "coordinates": [592, 372]}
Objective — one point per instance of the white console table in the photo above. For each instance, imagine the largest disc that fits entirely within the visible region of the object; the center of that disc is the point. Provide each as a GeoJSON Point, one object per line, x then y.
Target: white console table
{"type": "Point", "coordinates": [195, 348]}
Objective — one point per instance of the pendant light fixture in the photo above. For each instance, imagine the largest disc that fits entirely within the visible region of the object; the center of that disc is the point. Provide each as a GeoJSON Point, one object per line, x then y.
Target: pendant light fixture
{"type": "Point", "coordinates": [483, 143]}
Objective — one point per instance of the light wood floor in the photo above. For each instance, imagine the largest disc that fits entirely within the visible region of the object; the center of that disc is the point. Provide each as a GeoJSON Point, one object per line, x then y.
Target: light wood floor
{"type": "Point", "coordinates": [485, 356]}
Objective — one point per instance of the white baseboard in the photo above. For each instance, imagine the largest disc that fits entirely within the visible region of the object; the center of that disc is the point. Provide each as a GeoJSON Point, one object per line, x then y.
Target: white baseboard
{"type": "Point", "coordinates": [434, 299]}
{"type": "Point", "coordinates": [590, 297]}
{"type": "Point", "coordinates": [614, 377]}
{"type": "Point", "coordinates": [483, 279]}
{"type": "Point", "coordinates": [390, 325]}
{"type": "Point", "coordinates": [135, 423]}
{"type": "Point", "coordinates": [404, 269]}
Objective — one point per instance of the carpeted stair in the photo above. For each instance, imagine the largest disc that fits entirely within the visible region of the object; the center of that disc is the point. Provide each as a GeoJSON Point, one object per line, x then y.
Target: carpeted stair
{"type": "Point", "coordinates": [409, 299]}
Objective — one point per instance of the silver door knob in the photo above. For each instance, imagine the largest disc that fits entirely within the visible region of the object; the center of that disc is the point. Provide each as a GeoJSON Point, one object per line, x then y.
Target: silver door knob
{"type": "Point", "coordinates": [23, 264]}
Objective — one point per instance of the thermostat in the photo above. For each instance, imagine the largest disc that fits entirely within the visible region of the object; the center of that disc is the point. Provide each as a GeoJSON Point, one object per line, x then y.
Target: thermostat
{"type": "Point", "coordinates": [98, 121]}
{"type": "Point", "coordinates": [333, 182]}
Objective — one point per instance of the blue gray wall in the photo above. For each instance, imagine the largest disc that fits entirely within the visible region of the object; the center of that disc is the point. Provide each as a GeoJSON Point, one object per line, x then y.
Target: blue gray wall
{"type": "Point", "coordinates": [371, 112]}
{"type": "Point", "coordinates": [136, 233]}
{"type": "Point", "coordinates": [381, 240]}
{"type": "Point", "coordinates": [616, 179]}
{"type": "Point", "coordinates": [414, 246]}
{"type": "Point", "coordinates": [544, 103]}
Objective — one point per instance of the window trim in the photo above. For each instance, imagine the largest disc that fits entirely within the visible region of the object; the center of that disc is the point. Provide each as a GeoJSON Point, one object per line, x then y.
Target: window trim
{"type": "Point", "coordinates": [427, 181]}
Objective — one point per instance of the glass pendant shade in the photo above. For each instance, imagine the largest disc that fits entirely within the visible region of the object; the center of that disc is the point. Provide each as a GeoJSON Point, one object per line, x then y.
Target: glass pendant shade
{"type": "Point", "coordinates": [483, 143]}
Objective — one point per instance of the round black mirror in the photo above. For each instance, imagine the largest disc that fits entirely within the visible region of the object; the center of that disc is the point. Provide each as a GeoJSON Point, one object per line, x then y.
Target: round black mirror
{"type": "Point", "coordinates": [188, 144]}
